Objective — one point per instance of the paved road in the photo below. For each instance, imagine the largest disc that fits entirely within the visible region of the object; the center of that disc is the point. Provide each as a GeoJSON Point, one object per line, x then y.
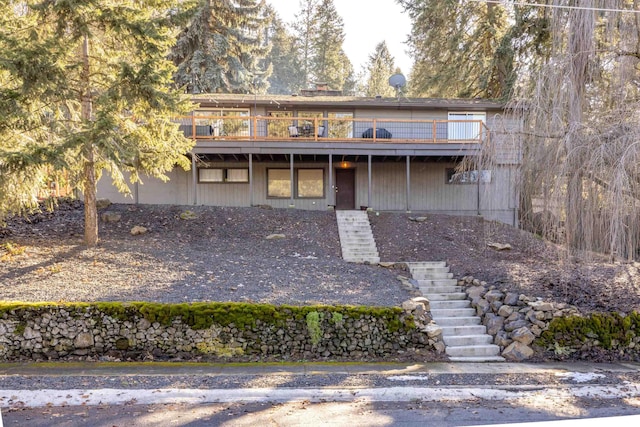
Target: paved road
{"type": "Point", "coordinates": [443, 394]}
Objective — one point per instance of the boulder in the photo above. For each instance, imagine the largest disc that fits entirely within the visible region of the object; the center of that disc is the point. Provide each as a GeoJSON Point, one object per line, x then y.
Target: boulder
{"type": "Point", "coordinates": [187, 215]}
{"type": "Point", "coordinates": [110, 217]}
{"type": "Point", "coordinates": [482, 307]}
{"type": "Point", "coordinates": [511, 298]}
{"type": "Point", "coordinates": [505, 311]}
{"type": "Point", "coordinates": [517, 352]}
{"type": "Point", "coordinates": [493, 323]}
{"type": "Point", "coordinates": [138, 229]}
{"type": "Point", "coordinates": [523, 335]}
{"type": "Point", "coordinates": [83, 340]}
{"type": "Point", "coordinates": [499, 246]}
{"type": "Point", "coordinates": [432, 330]}
{"type": "Point", "coordinates": [541, 306]}
{"type": "Point", "coordinates": [418, 218]}
{"type": "Point", "coordinates": [512, 326]}
{"type": "Point", "coordinates": [494, 295]}
{"type": "Point", "coordinates": [102, 203]}
{"type": "Point", "coordinates": [275, 236]}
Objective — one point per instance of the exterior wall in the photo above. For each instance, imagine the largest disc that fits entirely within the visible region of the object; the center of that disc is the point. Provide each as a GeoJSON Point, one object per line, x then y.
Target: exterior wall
{"type": "Point", "coordinates": [429, 190]}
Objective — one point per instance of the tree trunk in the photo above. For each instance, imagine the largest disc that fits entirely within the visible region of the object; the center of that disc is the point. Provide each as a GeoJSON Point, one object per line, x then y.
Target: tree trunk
{"type": "Point", "coordinates": [90, 210]}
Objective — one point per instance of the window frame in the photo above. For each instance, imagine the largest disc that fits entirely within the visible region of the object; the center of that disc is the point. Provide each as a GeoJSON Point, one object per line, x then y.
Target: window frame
{"type": "Point", "coordinates": [296, 182]}
{"type": "Point", "coordinates": [225, 174]}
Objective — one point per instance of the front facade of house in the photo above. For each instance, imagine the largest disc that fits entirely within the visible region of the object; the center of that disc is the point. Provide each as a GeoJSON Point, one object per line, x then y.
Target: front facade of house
{"type": "Point", "coordinates": [320, 152]}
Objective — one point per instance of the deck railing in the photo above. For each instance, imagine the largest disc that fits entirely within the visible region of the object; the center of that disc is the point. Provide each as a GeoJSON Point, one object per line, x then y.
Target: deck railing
{"type": "Point", "coordinates": [326, 129]}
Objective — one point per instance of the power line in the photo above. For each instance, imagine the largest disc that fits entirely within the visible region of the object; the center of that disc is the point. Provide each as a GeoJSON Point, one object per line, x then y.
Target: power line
{"type": "Point", "coordinates": [558, 6]}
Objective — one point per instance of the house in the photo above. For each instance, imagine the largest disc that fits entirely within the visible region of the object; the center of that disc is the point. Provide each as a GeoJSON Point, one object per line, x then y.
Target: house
{"type": "Point", "coordinates": [324, 150]}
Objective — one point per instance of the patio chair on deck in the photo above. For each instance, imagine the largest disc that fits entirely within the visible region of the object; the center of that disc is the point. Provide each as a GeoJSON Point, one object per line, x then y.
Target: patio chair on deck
{"type": "Point", "coordinates": [293, 131]}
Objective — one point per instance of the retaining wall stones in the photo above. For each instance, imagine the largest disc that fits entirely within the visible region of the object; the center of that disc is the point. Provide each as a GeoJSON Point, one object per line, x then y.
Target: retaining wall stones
{"type": "Point", "coordinates": [131, 331]}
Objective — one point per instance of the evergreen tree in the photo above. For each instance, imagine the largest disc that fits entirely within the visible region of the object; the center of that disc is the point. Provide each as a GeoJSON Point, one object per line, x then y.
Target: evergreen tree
{"type": "Point", "coordinates": [456, 46]}
{"type": "Point", "coordinates": [84, 87]}
{"type": "Point", "coordinates": [379, 68]}
{"type": "Point", "coordinates": [287, 76]}
{"type": "Point", "coordinates": [304, 27]}
{"type": "Point", "coordinates": [223, 48]}
{"type": "Point", "coordinates": [329, 62]}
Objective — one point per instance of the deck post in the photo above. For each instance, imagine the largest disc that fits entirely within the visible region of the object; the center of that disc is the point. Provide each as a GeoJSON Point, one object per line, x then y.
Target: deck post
{"type": "Point", "coordinates": [369, 181]}
{"type": "Point", "coordinates": [194, 178]}
{"type": "Point", "coordinates": [250, 179]}
{"type": "Point", "coordinates": [332, 192]}
{"type": "Point", "coordinates": [408, 183]}
{"type": "Point", "coordinates": [291, 205]}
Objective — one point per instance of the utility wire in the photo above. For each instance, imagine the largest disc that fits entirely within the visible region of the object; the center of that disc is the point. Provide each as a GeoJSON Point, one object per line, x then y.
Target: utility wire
{"type": "Point", "coordinates": [558, 6]}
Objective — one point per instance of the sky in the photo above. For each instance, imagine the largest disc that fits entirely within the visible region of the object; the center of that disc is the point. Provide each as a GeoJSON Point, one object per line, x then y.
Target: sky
{"type": "Point", "coordinates": [366, 23]}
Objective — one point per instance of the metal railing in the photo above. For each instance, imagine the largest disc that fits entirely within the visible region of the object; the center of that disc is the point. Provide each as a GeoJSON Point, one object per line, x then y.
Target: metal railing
{"type": "Point", "coordinates": [326, 129]}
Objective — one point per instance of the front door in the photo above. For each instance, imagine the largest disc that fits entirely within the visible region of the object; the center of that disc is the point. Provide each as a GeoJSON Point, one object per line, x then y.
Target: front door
{"type": "Point", "coordinates": [345, 189]}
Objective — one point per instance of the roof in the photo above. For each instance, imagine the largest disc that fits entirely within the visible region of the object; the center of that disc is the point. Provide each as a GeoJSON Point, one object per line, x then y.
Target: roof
{"type": "Point", "coordinates": [225, 99]}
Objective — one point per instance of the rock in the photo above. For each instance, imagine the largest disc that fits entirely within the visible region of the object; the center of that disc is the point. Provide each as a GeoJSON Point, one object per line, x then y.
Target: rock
{"type": "Point", "coordinates": [505, 311]}
{"type": "Point", "coordinates": [439, 347]}
{"type": "Point", "coordinates": [511, 298]}
{"type": "Point", "coordinates": [523, 335]}
{"type": "Point", "coordinates": [432, 330]}
{"type": "Point", "coordinates": [122, 343]}
{"type": "Point", "coordinates": [83, 340]}
{"type": "Point", "coordinates": [418, 219]}
{"type": "Point", "coordinates": [541, 306]}
{"type": "Point", "coordinates": [493, 323]}
{"type": "Point", "coordinates": [475, 292]}
{"type": "Point", "coordinates": [187, 215]}
{"type": "Point", "coordinates": [386, 264]}
{"type": "Point", "coordinates": [275, 236]}
{"type": "Point", "coordinates": [502, 339]}
{"type": "Point", "coordinates": [482, 307]}
{"type": "Point", "coordinates": [512, 326]}
{"type": "Point", "coordinates": [494, 295]}
{"type": "Point", "coordinates": [110, 217]}
{"type": "Point", "coordinates": [102, 203]}
{"type": "Point", "coordinates": [138, 229]}
{"type": "Point", "coordinates": [424, 301]}
{"type": "Point", "coordinates": [517, 352]}
{"type": "Point", "coordinates": [499, 246]}
{"type": "Point", "coordinates": [29, 333]}
{"type": "Point", "coordinates": [409, 305]}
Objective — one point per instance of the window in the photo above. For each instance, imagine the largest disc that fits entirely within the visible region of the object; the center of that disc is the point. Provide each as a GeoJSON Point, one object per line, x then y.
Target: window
{"type": "Point", "coordinates": [206, 175]}
{"type": "Point", "coordinates": [467, 177]}
{"type": "Point", "coordinates": [278, 183]}
{"type": "Point", "coordinates": [465, 126]}
{"type": "Point", "coordinates": [309, 183]}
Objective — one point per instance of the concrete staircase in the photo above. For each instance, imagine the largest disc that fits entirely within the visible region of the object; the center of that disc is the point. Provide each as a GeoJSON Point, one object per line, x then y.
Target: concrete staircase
{"type": "Point", "coordinates": [465, 338]}
{"type": "Point", "coordinates": [356, 238]}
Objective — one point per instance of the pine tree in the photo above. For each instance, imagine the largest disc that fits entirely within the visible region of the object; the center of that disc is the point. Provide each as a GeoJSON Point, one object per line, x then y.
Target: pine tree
{"type": "Point", "coordinates": [84, 87]}
{"type": "Point", "coordinates": [223, 48]}
{"type": "Point", "coordinates": [329, 62]}
{"type": "Point", "coordinates": [379, 68]}
{"type": "Point", "coordinates": [457, 48]}
{"type": "Point", "coordinates": [304, 27]}
{"type": "Point", "coordinates": [287, 76]}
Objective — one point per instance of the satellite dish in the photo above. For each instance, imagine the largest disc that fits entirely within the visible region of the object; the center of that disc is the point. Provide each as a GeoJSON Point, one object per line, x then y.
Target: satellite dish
{"type": "Point", "coordinates": [397, 81]}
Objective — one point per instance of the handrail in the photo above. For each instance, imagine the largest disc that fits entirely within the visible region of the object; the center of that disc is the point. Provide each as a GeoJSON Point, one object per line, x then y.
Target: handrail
{"type": "Point", "coordinates": [333, 129]}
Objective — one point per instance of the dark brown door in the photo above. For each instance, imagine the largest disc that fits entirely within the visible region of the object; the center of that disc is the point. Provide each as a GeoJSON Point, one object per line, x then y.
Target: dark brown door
{"type": "Point", "coordinates": [345, 189]}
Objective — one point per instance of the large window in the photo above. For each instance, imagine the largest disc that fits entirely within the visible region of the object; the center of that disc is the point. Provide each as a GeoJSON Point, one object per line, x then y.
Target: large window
{"type": "Point", "coordinates": [309, 183]}
{"type": "Point", "coordinates": [465, 125]}
{"type": "Point", "coordinates": [278, 183]}
{"type": "Point", "coordinates": [207, 175]}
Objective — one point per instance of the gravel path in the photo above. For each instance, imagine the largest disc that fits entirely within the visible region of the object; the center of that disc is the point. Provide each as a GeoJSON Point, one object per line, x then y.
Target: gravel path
{"type": "Point", "coordinates": [222, 254]}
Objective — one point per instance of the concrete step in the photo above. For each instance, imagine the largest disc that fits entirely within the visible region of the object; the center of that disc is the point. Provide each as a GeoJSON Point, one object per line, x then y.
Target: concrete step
{"type": "Point", "coordinates": [426, 264]}
{"type": "Point", "coordinates": [457, 321]}
{"type": "Point", "coordinates": [477, 359]}
{"type": "Point", "coordinates": [449, 304]}
{"type": "Point", "coordinates": [463, 330]}
{"type": "Point", "coordinates": [439, 289]}
{"type": "Point", "coordinates": [426, 270]}
{"type": "Point", "coordinates": [370, 260]}
{"type": "Point", "coordinates": [432, 276]}
{"type": "Point", "coordinates": [438, 282]}
{"type": "Point", "coordinates": [452, 312]}
{"type": "Point", "coordinates": [465, 340]}
{"type": "Point", "coordinates": [360, 250]}
{"type": "Point", "coordinates": [446, 296]}
{"type": "Point", "coordinates": [473, 350]}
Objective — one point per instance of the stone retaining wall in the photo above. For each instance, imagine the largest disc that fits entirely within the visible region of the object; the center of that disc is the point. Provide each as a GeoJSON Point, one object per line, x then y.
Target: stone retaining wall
{"type": "Point", "coordinates": [524, 327]}
{"type": "Point", "coordinates": [52, 331]}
